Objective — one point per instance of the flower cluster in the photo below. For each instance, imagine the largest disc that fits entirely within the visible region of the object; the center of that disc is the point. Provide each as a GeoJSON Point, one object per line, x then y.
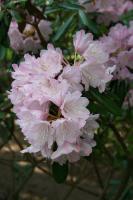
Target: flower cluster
{"type": "Point", "coordinates": [28, 40]}
{"type": "Point", "coordinates": [47, 98]}
{"type": "Point", "coordinates": [109, 10]}
{"type": "Point", "coordinates": [119, 45]}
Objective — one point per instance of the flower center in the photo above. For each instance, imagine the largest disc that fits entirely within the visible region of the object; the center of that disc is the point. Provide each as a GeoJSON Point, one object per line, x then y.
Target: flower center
{"type": "Point", "coordinates": [30, 31]}
{"type": "Point", "coordinates": [54, 113]}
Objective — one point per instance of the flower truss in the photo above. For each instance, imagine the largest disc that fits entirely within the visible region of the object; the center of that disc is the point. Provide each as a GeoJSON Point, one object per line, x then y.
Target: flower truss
{"type": "Point", "coordinates": [28, 40]}
{"type": "Point", "coordinates": [47, 98]}
{"type": "Point", "coordinates": [109, 10]}
{"type": "Point", "coordinates": [119, 45]}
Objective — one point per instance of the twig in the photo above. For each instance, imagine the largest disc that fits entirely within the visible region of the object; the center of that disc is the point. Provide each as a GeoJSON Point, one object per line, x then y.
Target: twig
{"type": "Point", "coordinates": [2, 145]}
{"type": "Point", "coordinates": [98, 174]}
{"type": "Point", "coordinates": [22, 185]}
{"type": "Point", "coordinates": [123, 184]}
{"type": "Point", "coordinates": [78, 187]}
{"type": "Point", "coordinates": [109, 155]}
{"type": "Point", "coordinates": [88, 191]}
{"type": "Point", "coordinates": [44, 170]}
{"type": "Point", "coordinates": [69, 192]}
{"type": "Point", "coordinates": [39, 32]}
{"type": "Point", "coordinates": [33, 10]}
{"type": "Point", "coordinates": [103, 195]}
{"type": "Point", "coordinates": [119, 138]}
{"type": "Point", "coordinates": [17, 141]}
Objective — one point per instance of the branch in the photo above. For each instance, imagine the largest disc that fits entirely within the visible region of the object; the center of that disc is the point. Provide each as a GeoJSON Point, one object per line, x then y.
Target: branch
{"type": "Point", "coordinates": [124, 182]}
{"type": "Point", "coordinates": [103, 195]}
{"type": "Point", "coordinates": [119, 138]}
{"type": "Point", "coordinates": [98, 174]}
{"type": "Point", "coordinates": [33, 10]}
{"type": "Point", "coordinates": [39, 34]}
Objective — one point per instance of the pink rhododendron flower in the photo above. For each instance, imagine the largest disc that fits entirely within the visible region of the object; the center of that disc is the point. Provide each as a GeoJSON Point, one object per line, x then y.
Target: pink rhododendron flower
{"type": "Point", "coordinates": [50, 62]}
{"type": "Point", "coordinates": [28, 40]}
{"type": "Point", "coordinates": [90, 126]}
{"type": "Point", "coordinates": [66, 130]}
{"type": "Point", "coordinates": [81, 41]}
{"type": "Point", "coordinates": [73, 77]}
{"type": "Point", "coordinates": [118, 32]}
{"type": "Point", "coordinates": [93, 70]}
{"type": "Point", "coordinates": [47, 98]}
{"type": "Point", "coordinates": [45, 29]}
{"type": "Point", "coordinates": [16, 40]}
{"type": "Point", "coordinates": [96, 75]}
{"type": "Point", "coordinates": [74, 107]}
{"type": "Point", "coordinates": [109, 11]}
{"type": "Point", "coordinates": [118, 45]}
{"type": "Point", "coordinates": [126, 58]}
{"type": "Point", "coordinates": [95, 53]}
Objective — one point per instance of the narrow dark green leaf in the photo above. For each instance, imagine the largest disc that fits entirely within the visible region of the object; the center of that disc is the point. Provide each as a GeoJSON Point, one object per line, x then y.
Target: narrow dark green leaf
{"type": "Point", "coordinates": [70, 6]}
{"type": "Point", "coordinates": [88, 22]}
{"type": "Point", "coordinates": [51, 10]}
{"type": "Point", "coordinates": [16, 16]}
{"type": "Point", "coordinates": [22, 175]}
{"type": "Point", "coordinates": [60, 172]}
{"type": "Point", "coordinates": [4, 134]}
{"type": "Point", "coordinates": [2, 115]}
{"type": "Point", "coordinates": [87, 1]}
{"type": "Point", "coordinates": [2, 52]}
{"type": "Point", "coordinates": [120, 89]}
{"type": "Point", "coordinates": [107, 102]}
{"type": "Point", "coordinates": [127, 17]}
{"type": "Point", "coordinates": [1, 15]}
{"type": "Point", "coordinates": [63, 28]}
{"type": "Point", "coordinates": [11, 4]}
{"type": "Point", "coordinates": [7, 20]}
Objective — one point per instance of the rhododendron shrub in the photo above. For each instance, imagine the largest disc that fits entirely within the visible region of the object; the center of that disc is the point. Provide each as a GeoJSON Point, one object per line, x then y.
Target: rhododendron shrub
{"type": "Point", "coordinates": [66, 98]}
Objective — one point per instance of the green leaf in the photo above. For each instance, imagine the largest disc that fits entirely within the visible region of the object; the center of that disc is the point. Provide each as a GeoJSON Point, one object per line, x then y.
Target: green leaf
{"type": "Point", "coordinates": [95, 107]}
{"type": "Point", "coordinates": [127, 17]}
{"type": "Point", "coordinates": [1, 15]}
{"type": "Point", "coordinates": [22, 175]}
{"type": "Point", "coordinates": [87, 1]}
{"type": "Point", "coordinates": [2, 115]}
{"type": "Point", "coordinates": [88, 22]}
{"type": "Point", "coordinates": [4, 134]}
{"type": "Point", "coordinates": [7, 20]}
{"type": "Point", "coordinates": [107, 101]}
{"type": "Point", "coordinates": [63, 28]}
{"type": "Point", "coordinates": [60, 172]}
{"type": "Point", "coordinates": [11, 4]}
{"type": "Point", "coordinates": [70, 6]}
{"type": "Point", "coordinates": [2, 52]}
{"type": "Point", "coordinates": [51, 10]}
{"type": "Point", "coordinates": [16, 16]}
{"type": "Point", "coordinates": [120, 89]}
